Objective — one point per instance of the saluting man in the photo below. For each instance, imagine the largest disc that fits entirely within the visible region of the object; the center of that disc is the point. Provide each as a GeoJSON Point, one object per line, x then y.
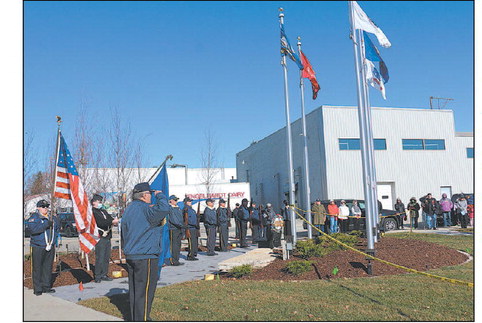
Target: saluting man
{"type": "Point", "coordinates": [42, 247]}
{"type": "Point", "coordinates": [223, 216]}
{"type": "Point", "coordinates": [103, 247]}
{"type": "Point", "coordinates": [176, 225]}
{"type": "Point", "coordinates": [192, 227]}
{"type": "Point", "coordinates": [210, 225]}
{"type": "Point", "coordinates": [141, 238]}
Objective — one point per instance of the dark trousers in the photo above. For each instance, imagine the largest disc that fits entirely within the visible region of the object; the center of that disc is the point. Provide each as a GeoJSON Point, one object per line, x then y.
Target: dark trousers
{"type": "Point", "coordinates": [343, 223]}
{"type": "Point", "coordinates": [276, 239]}
{"type": "Point", "coordinates": [223, 236]}
{"type": "Point", "coordinates": [192, 243]}
{"type": "Point", "coordinates": [243, 232]}
{"type": "Point", "coordinates": [238, 228]}
{"type": "Point", "coordinates": [143, 276]}
{"type": "Point", "coordinates": [287, 228]}
{"type": "Point", "coordinates": [42, 261]}
{"type": "Point", "coordinates": [254, 232]}
{"type": "Point", "coordinates": [102, 256]}
{"type": "Point", "coordinates": [356, 223]}
{"type": "Point", "coordinates": [175, 235]}
{"type": "Point", "coordinates": [211, 232]}
{"type": "Point", "coordinates": [464, 220]}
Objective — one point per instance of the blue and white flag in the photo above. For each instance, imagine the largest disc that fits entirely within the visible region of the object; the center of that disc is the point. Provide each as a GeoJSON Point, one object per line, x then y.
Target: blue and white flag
{"type": "Point", "coordinates": [286, 48]}
{"type": "Point", "coordinates": [161, 183]}
{"type": "Point", "coordinates": [363, 22]}
{"type": "Point", "coordinates": [375, 77]}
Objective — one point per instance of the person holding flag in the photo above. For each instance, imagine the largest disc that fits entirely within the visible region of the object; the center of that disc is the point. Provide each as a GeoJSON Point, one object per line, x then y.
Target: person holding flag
{"type": "Point", "coordinates": [43, 239]}
{"type": "Point", "coordinates": [141, 237]}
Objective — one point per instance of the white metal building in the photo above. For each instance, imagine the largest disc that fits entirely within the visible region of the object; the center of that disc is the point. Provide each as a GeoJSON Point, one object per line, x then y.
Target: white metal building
{"type": "Point", "coordinates": [417, 151]}
{"type": "Point", "coordinates": [183, 181]}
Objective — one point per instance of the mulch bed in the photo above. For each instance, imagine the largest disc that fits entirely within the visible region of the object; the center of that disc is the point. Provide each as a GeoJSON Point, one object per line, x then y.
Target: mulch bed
{"type": "Point", "coordinates": [410, 253]}
{"type": "Point", "coordinates": [70, 269]}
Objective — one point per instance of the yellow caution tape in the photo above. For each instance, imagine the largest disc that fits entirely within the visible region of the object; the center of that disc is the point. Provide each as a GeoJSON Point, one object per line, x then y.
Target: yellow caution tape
{"type": "Point", "coordinates": [349, 216]}
{"type": "Point", "coordinates": [450, 280]}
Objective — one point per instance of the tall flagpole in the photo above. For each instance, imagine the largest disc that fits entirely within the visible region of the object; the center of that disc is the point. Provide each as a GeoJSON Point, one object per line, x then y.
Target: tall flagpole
{"type": "Point", "coordinates": [363, 139]}
{"type": "Point", "coordinates": [305, 149]}
{"type": "Point", "coordinates": [288, 139]}
{"type": "Point", "coordinates": [57, 148]}
{"type": "Point", "coordinates": [370, 140]}
{"type": "Point", "coordinates": [53, 209]}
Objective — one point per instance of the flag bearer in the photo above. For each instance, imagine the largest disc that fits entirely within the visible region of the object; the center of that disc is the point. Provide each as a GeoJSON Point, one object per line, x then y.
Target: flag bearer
{"type": "Point", "coordinates": [192, 227]}
{"type": "Point", "coordinates": [43, 238]}
{"type": "Point", "coordinates": [176, 225]}
{"type": "Point", "coordinates": [223, 216]}
{"type": "Point", "coordinates": [141, 238]}
{"type": "Point", "coordinates": [103, 247]}
{"type": "Point", "coordinates": [210, 225]}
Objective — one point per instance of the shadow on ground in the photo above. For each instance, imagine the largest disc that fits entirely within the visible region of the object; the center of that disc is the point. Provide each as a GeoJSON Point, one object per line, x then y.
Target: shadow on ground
{"type": "Point", "coordinates": [121, 301]}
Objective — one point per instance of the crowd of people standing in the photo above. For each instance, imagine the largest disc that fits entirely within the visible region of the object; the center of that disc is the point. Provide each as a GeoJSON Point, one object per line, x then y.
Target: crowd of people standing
{"type": "Point", "coordinates": [451, 213]}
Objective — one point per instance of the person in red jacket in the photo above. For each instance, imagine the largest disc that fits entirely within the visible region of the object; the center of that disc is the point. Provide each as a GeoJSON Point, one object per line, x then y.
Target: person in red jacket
{"type": "Point", "coordinates": [333, 212]}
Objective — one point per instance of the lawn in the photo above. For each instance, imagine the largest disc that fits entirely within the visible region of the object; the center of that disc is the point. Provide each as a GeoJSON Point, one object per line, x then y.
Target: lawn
{"type": "Point", "coordinates": [388, 298]}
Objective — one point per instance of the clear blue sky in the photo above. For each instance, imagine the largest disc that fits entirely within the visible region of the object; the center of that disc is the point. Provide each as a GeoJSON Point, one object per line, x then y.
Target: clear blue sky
{"type": "Point", "coordinates": [175, 68]}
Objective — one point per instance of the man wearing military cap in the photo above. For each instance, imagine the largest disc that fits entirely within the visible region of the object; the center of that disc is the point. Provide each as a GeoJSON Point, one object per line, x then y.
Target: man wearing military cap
{"type": "Point", "coordinates": [223, 215]}
{"type": "Point", "coordinates": [103, 247]}
{"type": "Point", "coordinates": [141, 238]}
{"type": "Point", "coordinates": [192, 228]}
{"type": "Point", "coordinates": [43, 238]}
{"type": "Point", "coordinates": [243, 216]}
{"type": "Point", "coordinates": [176, 225]}
{"type": "Point", "coordinates": [210, 222]}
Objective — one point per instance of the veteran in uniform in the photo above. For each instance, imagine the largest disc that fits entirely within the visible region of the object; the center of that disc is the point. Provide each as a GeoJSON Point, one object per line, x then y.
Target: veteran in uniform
{"type": "Point", "coordinates": [243, 216]}
{"type": "Point", "coordinates": [223, 215]}
{"type": "Point", "coordinates": [141, 238]}
{"type": "Point", "coordinates": [176, 225]}
{"type": "Point", "coordinates": [192, 228]}
{"type": "Point", "coordinates": [43, 238]}
{"type": "Point", "coordinates": [210, 222]}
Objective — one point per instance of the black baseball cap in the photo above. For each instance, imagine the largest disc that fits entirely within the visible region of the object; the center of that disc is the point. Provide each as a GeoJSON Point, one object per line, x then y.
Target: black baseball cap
{"type": "Point", "coordinates": [222, 201]}
{"type": "Point", "coordinates": [187, 199]}
{"type": "Point", "coordinates": [97, 197]}
{"type": "Point", "coordinates": [173, 197]}
{"type": "Point", "coordinates": [209, 200]}
{"type": "Point", "coordinates": [142, 187]}
{"type": "Point", "coordinates": [43, 203]}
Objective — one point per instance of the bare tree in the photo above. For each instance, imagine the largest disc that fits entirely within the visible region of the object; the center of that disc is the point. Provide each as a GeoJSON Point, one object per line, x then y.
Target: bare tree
{"type": "Point", "coordinates": [209, 161]}
{"type": "Point", "coordinates": [83, 148]}
{"type": "Point", "coordinates": [122, 153]}
{"type": "Point", "coordinates": [29, 163]}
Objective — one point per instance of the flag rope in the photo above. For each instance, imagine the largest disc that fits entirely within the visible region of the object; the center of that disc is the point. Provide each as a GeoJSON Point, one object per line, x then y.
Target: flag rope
{"type": "Point", "coordinates": [446, 279]}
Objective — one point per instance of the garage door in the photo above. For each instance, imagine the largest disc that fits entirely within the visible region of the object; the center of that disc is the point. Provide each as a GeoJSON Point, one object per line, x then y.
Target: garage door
{"type": "Point", "coordinates": [384, 192]}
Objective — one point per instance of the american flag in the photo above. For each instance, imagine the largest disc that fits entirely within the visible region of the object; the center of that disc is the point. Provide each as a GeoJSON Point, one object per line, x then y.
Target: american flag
{"type": "Point", "coordinates": [68, 186]}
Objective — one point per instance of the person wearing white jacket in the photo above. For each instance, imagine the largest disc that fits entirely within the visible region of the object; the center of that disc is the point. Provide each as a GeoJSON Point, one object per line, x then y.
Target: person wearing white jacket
{"type": "Point", "coordinates": [343, 216]}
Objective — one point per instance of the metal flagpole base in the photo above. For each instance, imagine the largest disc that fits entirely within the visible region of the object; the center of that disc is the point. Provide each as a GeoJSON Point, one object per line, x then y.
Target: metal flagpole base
{"type": "Point", "coordinates": [371, 252]}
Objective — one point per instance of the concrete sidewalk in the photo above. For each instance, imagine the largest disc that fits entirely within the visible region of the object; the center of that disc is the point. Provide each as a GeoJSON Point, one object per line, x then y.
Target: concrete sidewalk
{"type": "Point", "coordinates": [50, 308]}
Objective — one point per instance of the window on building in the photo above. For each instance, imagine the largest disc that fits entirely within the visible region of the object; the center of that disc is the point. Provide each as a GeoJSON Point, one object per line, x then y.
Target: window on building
{"type": "Point", "coordinates": [423, 144]}
{"type": "Point", "coordinates": [379, 144]}
{"type": "Point", "coordinates": [470, 152]}
{"type": "Point", "coordinates": [349, 144]}
{"type": "Point", "coordinates": [412, 144]}
{"type": "Point", "coordinates": [354, 144]}
{"type": "Point", "coordinates": [434, 144]}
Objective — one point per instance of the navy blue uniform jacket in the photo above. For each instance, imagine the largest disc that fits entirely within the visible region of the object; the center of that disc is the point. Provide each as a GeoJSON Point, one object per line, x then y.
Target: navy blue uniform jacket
{"type": "Point", "coordinates": [141, 228]}
{"type": "Point", "coordinates": [176, 220]}
{"type": "Point", "coordinates": [210, 217]}
{"type": "Point", "coordinates": [38, 224]}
